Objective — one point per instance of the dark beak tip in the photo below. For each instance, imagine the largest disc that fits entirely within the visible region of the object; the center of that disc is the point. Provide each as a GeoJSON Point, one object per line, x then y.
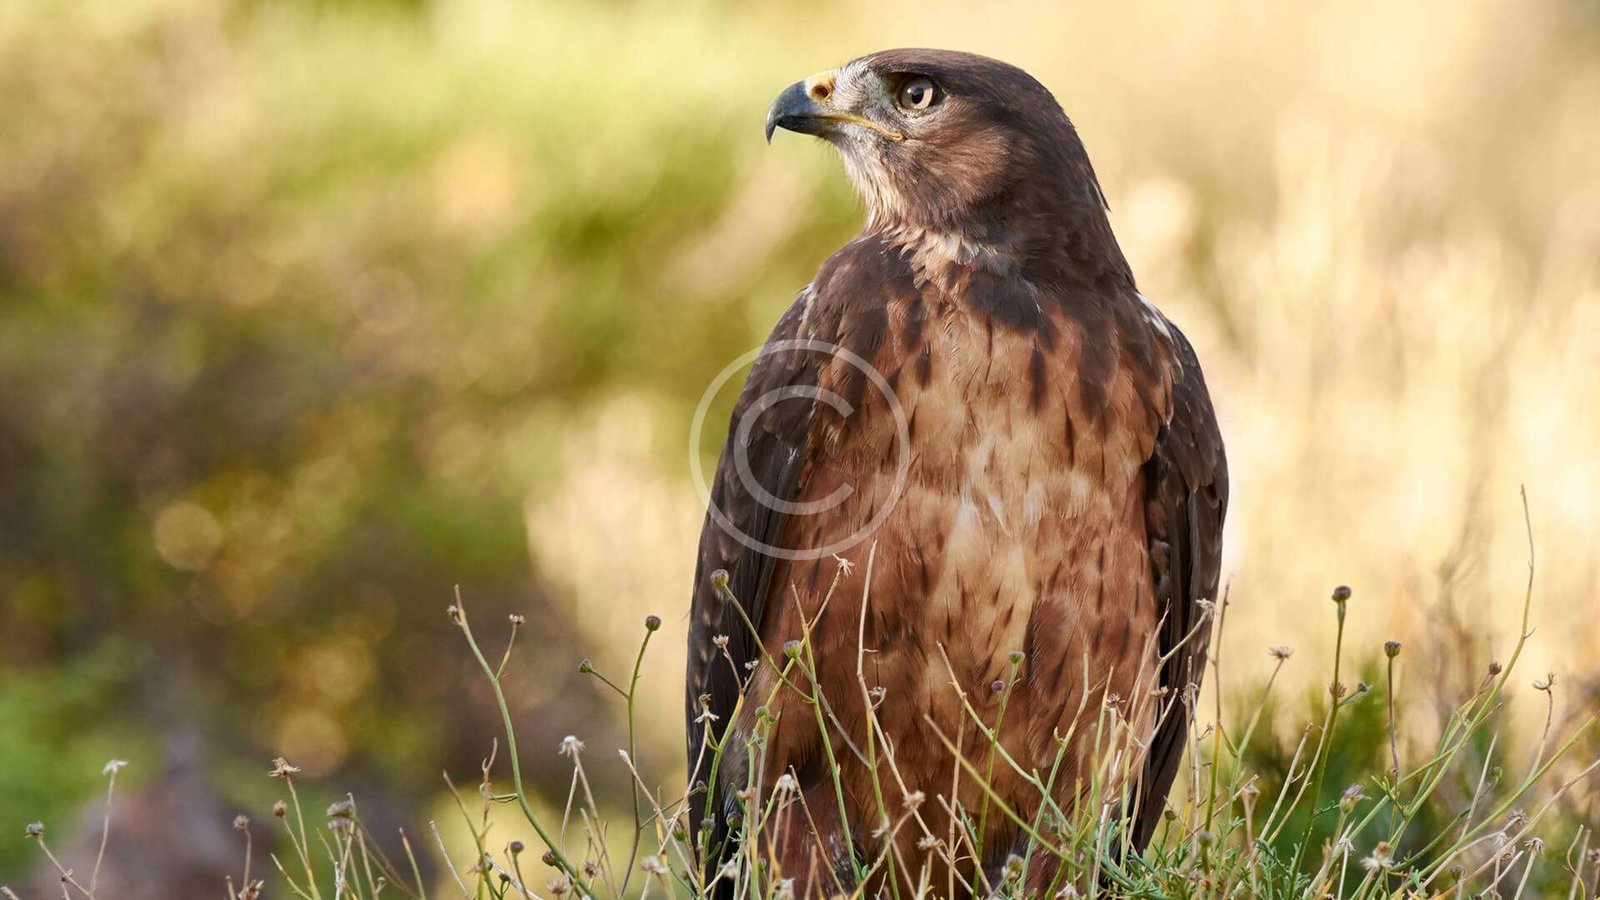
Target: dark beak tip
{"type": "Point", "coordinates": [792, 108]}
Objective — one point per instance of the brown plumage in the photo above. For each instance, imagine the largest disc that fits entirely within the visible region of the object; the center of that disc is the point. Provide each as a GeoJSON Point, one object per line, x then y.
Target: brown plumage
{"type": "Point", "coordinates": [1039, 470]}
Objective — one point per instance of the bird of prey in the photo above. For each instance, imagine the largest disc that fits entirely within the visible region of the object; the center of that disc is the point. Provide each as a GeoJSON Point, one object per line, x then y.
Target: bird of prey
{"type": "Point", "coordinates": [973, 469]}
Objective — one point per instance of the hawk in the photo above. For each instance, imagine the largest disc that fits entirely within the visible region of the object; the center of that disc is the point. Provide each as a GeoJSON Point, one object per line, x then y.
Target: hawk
{"type": "Point", "coordinates": [972, 469]}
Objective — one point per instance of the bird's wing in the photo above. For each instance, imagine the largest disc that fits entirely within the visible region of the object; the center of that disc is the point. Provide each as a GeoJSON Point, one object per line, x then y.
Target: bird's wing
{"type": "Point", "coordinates": [1186, 498]}
{"type": "Point", "coordinates": [776, 444]}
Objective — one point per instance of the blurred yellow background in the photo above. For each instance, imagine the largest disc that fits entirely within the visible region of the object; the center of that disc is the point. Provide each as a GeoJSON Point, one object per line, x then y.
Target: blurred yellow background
{"type": "Point", "coordinates": [310, 311]}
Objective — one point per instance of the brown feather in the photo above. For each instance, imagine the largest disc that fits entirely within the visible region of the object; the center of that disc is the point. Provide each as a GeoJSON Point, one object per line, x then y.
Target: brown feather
{"type": "Point", "coordinates": [1064, 498]}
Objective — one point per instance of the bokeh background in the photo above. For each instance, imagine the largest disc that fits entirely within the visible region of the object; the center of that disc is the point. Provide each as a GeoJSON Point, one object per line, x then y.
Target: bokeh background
{"type": "Point", "coordinates": [312, 310]}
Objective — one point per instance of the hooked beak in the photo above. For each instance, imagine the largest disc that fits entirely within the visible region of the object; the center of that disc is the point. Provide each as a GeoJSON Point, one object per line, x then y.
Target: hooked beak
{"type": "Point", "coordinates": [794, 110]}
{"type": "Point", "coordinates": [806, 107]}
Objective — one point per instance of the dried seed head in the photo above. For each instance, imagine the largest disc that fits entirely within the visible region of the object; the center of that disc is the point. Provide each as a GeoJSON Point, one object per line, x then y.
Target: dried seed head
{"type": "Point", "coordinates": [927, 842]}
{"type": "Point", "coordinates": [280, 809]}
{"type": "Point", "coordinates": [1382, 857]}
{"type": "Point", "coordinates": [791, 649]}
{"type": "Point", "coordinates": [1495, 668]}
{"type": "Point", "coordinates": [997, 686]}
{"type": "Point", "coordinates": [570, 747]}
{"type": "Point", "coordinates": [1013, 867]}
{"type": "Point", "coordinates": [1016, 657]}
{"type": "Point", "coordinates": [653, 865]}
{"type": "Point", "coordinates": [518, 620]}
{"type": "Point", "coordinates": [1341, 593]}
{"type": "Point", "coordinates": [719, 579]}
{"type": "Point", "coordinates": [914, 800]}
{"type": "Point", "coordinates": [559, 886]}
{"type": "Point", "coordinates": [1280, 651]}
{"type": "Point", "coordinates": [516, 847]}
{"type": "Point", "coordinates": [113, 767]}
{"type": "Point", "coordinates": [241, 823]}
{"type": "Point", "coordinates": [1351, 796]}
{"type": "Point", "coordinates": [35, 829]}
{"type": "Point", "coordinates": [591, 868]}
{"type": "Point", "coordinates": [720, 642]}
{"type": "Point", "coordinates": [454, 612]}
{"type": "Point", "coordinates": [1545, 685]}
{"type": "Point", "coordinates": [549, 858]}
{"type": "Point", "coordinates": [1592, 855]}
{"type": "Point", "coordinates": [282, 769]}
{"type": "Point", "coordinates": [341, 810]}
{"type": "Point", "coordinates": [1391, 649]}
{"type": "Point", "coordinates": [652, 623]}
{"type": "Point", "coordinates": [1516, 820]}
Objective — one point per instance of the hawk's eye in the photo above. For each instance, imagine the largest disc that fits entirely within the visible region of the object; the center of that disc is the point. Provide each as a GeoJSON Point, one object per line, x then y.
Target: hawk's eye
{"type": "Point", "coordinates": [917, 93]}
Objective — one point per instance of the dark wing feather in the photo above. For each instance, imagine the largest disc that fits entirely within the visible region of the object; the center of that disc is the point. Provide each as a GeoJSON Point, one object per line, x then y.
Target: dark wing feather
{"type": "Point", "coordinates": [1186, 498]}
{"type": "Point", "coordinates": [777, 450]}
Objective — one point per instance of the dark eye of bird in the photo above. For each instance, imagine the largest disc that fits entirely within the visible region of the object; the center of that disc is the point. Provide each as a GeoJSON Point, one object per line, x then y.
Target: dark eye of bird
{"type": "Point", "coordinates": [918, 93]}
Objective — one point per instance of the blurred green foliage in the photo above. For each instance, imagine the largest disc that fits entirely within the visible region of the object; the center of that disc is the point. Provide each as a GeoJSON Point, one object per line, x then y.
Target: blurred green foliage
{"type": "Point", "coordinates": [302, 305]}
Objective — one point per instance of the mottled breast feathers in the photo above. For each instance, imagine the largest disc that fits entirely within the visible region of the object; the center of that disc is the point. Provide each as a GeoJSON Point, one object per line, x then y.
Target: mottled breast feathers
{"type": "Point", "coordinates": [1062, 494]}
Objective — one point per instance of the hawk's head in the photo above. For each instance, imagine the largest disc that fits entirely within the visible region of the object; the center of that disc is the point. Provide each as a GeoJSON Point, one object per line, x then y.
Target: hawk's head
{"type": "Point", "coordinates": [939, 139]}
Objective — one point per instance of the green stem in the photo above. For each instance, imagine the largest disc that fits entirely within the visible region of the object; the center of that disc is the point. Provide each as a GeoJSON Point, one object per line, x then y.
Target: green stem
{"type": "Point", "coordinates": [511, 749]}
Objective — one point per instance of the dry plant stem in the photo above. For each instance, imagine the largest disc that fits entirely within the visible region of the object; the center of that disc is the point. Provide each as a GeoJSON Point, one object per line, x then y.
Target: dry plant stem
{"type": "Point", "coordinates": [1216, 669]}
{"type": "Point", "coordinates": [477, 832]}
{"type": "Point", "coordinates": [870, 713]}
{"type": "Point", "coordinates": [302, 846]}
{"type": "Point", "coordinates": [386, 867]}
{"type": "Point", "coordinates": [1394, 748]}
{"type": "Point", "coordinates": [416, 871]}
{"type": "Point", "coordinates": [511, 750]}
{"type": "Point", "coordinates": [249, 846]}
{"type": "Point", "coordinates": [813, 698]}
{"type": "Point", "coordinates": [592, 819]}
{"type": "Point", "coordinates": [63, 871]}
{"type": "Point", "coordinates": [281, 871]}
{"type": "Point", "coordinates": [105, 828]}
{"type": "Point", "coordinates": [444, 854]}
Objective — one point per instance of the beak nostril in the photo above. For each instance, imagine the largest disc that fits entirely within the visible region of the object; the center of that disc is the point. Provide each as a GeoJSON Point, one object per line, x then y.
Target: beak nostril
{"type": "Point", "coordinates": [820, 91]}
